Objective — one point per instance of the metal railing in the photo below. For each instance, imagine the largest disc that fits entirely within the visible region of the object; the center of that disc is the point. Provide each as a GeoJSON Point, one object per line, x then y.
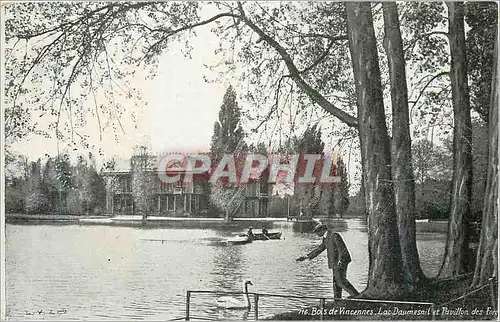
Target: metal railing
{"type": "Point", "coordinates": [322, 301]}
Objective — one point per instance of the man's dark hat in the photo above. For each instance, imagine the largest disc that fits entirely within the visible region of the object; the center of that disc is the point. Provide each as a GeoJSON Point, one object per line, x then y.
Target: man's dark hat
{"type": "Point", "coordinates": [319, 227]}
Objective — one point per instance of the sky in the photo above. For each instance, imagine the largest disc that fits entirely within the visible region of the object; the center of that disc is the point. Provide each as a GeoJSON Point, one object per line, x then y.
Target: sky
{"type": "Point", "coordinates": [180, 112]}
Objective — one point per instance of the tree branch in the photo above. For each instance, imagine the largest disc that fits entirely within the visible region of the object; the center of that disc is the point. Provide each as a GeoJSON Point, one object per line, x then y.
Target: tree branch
{"type": "Point", "coordinates": [425, 87]}
{"type": "Point", "coordinates": [319, 59]}
{"type": "Point", "coordinates": [414, 42]}
{"type": "Point", "coordinates": [173, 32]}
{"type": "Point", "coordinates": [295, 74]}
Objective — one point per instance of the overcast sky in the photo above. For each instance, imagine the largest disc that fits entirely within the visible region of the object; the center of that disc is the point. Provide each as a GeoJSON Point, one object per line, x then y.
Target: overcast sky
{"type": "Point", "coordinates": [180, 113]}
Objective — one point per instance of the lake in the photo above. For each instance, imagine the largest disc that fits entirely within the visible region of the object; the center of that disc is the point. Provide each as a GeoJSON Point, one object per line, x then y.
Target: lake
{"type": "Point", "coordinates": [108, 272]}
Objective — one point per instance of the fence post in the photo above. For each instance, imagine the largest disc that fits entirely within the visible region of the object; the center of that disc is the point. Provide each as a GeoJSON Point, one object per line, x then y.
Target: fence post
{"type": "Point", "coordinates": [188, 300]}
{"type": "Point", "coordinates": [492, 294]}
{"type": "Point", "coordinates": [321, 307]}
{"type": "Point", "coordinates": [256, 305]}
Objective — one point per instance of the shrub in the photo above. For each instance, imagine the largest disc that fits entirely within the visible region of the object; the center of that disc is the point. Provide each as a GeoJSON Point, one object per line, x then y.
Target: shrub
{"type": "Point", "coordinates": [37, 202]}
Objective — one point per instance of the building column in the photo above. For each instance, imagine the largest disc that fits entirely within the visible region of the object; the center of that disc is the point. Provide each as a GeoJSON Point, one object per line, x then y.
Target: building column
{"type": "Point", "coordinates": [174, 201]}
{"type": "Point", "coordinates": [159, 203]}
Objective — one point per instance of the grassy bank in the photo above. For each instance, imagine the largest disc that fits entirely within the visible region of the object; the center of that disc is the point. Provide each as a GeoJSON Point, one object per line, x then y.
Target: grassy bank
{"type": "Point", "coordinates": [477, 306]}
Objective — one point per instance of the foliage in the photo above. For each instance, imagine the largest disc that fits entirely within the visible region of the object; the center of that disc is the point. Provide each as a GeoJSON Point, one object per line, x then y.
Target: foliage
{"type": "Point", "coordinates": [482, 19]}
{"type": "Point", "coordinates": [309, 196]}
{"type": "Point", "coordinates": [228, 136]}
{"type": "Point", "coordinates": [89, 191]}
{"type": "Point", "coordinates": [15, 192]}
{"type": "Point", "coordinates": [51, 186]}
{"type": "Point", "coordinates": [62, 53]}
{"type": "Point", "coordinates": [63, 171]}
{"type": "Point", "coordinates": [37, 202]}
{"type": "Point", "coordinates": [433, 173]}
{"type": "Point", "coordinates": [425, 38]}
{"type": "Point", "coordinates": [80, 50]}
{"type": "Point", "coordinates": [58, 187]}
{"type": "Point", "coordinates": [143, 181]}
{"type": "Point", "coordinates": [334, 200]}
{"type": "Point", "coordinates": [431, 161]}
{"type": "Point", "coordinates": [310, 142]}
{"type": "Point", "coordinates": [227, 199]}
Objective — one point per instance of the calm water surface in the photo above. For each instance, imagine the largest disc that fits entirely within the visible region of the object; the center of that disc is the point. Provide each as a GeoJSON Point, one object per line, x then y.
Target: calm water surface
{"type": "Point", "coordinates": [104, 272]}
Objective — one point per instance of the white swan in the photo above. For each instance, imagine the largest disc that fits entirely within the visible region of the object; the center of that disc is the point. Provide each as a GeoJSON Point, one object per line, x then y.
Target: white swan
{"type": "Point", "coordinates": [229, 302]}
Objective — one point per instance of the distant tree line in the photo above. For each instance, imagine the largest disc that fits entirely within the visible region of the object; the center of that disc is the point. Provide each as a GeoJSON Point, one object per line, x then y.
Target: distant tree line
{"type": "Point", "coordinates": [56, 187]}
{"type": "Point", "coordinates": [433, 171]}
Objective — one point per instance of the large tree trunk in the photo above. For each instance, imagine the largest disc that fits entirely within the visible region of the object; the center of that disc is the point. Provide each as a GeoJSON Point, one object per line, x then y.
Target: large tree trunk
{"type": "Point", "coordinates": [457, 247]}
{"type": "Point", "coordinates": [385, 275]}
{"type": "Point", "coordinates": [487, 255]}
{"type": "Point", "coordinates": [402, 170]}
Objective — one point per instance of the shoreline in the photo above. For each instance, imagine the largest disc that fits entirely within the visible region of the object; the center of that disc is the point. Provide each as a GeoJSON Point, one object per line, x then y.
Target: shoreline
{"type": "Point", "coordinates": [152, 221]}
{"type": "Point", "coordinates": [189, 222]}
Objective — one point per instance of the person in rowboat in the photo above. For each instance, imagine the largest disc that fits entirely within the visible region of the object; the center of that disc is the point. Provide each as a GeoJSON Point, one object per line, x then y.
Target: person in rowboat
{"type": "Point", "coordinates": [250, 233]}
{"type": "Point", "coordinates": [265, 233]}
{"type": "Point", "coordinates": [338, 259]}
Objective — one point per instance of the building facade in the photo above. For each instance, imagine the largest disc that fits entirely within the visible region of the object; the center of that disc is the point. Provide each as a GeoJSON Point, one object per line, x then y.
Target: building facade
{"type": "Point", "coordinates": [180, 198]}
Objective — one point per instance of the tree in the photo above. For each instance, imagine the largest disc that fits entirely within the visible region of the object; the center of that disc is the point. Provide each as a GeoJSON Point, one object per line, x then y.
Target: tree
{"type": "Point", "coordinates": [431, 36]}
{"type": "Point", "coordinates": [97, 187]}
{"type": "Point", "coordinates": [63, 167]}
{"type": "Point", "coordinates": [432, 166]}
{"type": "Point", "coordinates": [228, 137]}
{"type": "Point", "coordinates": [17, 174]}
{"type": "Point", "coordinates": [487, 255]}
{"type": "Point", "coordinates": [482, 18]}
{"type": "Point", "coordinates": [36, 199]}
{"type": "Point", "coordinates": [341, 191]}
{"type": "Point", "coordinates": [309, 196]}
{"type": "Point", "coordinates": [431, 161]}
{"type": "Point", "coordinates": [89, 191]}
{"type": "Point", "coordinates": [385, 277]}
{"type": "Point", "coordinates": [111, 183]}
{"type": "Point", "coordinates": [228, 134]}
{"type": "Point", "coordinates": [143, 181]}
{"type": "Point", "coordinates": [457, 239]}
{"type": "Point", "coordinates": [51, 186]}
{"type": "Point", "coordinates": [402, 172]}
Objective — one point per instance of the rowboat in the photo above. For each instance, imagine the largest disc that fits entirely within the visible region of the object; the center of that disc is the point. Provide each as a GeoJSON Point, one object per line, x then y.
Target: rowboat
{"type": "Point", "coordinates": [261, 236]}
{"type": "Point", "coordinates": [239, 240]}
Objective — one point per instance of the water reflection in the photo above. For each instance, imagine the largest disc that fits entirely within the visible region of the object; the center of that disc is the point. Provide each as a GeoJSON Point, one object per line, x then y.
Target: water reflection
{"type": "Point", "coordinates": [99, 272]}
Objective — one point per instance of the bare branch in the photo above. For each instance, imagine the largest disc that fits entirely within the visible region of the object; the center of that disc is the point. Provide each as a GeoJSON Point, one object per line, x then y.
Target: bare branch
{"type": "Point", "coordinates": [295, 74]}
{"type": "Point", "coordinates": [172, 32]}
{"type": "Point", "coordinates": [425, 87]}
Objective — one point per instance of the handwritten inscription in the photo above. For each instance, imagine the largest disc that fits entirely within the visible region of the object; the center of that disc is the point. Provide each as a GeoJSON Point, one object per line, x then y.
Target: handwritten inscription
{"type": "Point", "coordinates": [46, 312]}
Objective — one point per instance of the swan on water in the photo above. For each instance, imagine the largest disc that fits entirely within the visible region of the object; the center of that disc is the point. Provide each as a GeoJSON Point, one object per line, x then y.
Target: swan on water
{"type": "Point", "coordinates": [229, 302]}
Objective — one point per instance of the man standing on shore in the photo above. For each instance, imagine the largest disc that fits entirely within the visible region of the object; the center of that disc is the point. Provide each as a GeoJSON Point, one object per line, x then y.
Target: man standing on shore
{"type": "Point", "coordinates": [338, 259]}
